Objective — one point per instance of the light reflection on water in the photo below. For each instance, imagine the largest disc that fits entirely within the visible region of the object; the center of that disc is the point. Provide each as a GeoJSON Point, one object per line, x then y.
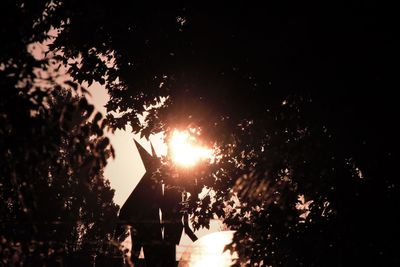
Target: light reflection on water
{"type": "Point", "coordinates": [208, 251]}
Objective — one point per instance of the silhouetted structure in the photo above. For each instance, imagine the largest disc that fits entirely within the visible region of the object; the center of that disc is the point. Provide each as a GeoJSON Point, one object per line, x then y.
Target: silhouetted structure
{"type": "Point", "coordinates": [142, 212]}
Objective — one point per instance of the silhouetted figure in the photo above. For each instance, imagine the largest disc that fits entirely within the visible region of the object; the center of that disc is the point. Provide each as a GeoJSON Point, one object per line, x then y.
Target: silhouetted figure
{"type": "Point", "coordinates": [142, 212]}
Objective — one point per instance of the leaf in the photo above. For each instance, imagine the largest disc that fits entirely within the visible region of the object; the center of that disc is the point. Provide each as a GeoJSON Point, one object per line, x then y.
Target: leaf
{"type": "Point", "coordinates": [97, 117]}
{"type": "Point", "coordinates": [72, 84]}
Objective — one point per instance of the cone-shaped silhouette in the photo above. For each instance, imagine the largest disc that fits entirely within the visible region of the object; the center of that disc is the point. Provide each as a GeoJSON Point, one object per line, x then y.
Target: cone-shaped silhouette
{"type": "Point", "coordinates": [141, 212]}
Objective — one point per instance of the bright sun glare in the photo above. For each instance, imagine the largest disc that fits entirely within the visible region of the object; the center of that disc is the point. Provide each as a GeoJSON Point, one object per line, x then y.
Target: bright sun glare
{"type": "Point", "coordinates": [184, 149]}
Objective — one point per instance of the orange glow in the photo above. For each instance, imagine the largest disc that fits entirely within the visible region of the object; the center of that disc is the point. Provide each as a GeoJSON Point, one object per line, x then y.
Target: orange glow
{"type": "Point", "coordinates": [185, 151]}
{"type": "Point", "coordinates": [209, 251]}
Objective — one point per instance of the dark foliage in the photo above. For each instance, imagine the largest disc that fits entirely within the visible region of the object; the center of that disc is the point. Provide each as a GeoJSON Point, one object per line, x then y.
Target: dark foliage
{"type": "Point", "coordinates": [54, 200]}
{"type": "Point", "coordinates": [296, 98]}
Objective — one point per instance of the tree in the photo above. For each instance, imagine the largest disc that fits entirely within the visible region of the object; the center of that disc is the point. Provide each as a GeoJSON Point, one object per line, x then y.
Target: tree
{"type": "Point", "coordinates": [54, 200]}
{"type": "Point", "coordinates": [276, 90]}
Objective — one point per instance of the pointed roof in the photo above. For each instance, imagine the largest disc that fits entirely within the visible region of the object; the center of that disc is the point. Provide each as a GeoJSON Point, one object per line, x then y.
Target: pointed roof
{"type": "Point", "coordinates": [146, 191]}
{"type": "Point", "coordinates": [147, 159]}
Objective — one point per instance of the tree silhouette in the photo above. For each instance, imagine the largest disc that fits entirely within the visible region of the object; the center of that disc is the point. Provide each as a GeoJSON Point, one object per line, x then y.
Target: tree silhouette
{"type": "Point", "coordinates": [295, 98]}
{"type": "Point", "coordinates": [54, 200]}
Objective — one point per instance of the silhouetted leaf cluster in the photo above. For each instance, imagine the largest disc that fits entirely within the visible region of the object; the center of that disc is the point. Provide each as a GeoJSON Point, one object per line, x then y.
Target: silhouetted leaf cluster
{"type": "Point", "coordinates": [54, 200]}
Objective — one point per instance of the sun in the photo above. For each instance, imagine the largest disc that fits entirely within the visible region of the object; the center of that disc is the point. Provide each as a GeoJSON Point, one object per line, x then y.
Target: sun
{"type": "Point", "coordinates": [185, 150]}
